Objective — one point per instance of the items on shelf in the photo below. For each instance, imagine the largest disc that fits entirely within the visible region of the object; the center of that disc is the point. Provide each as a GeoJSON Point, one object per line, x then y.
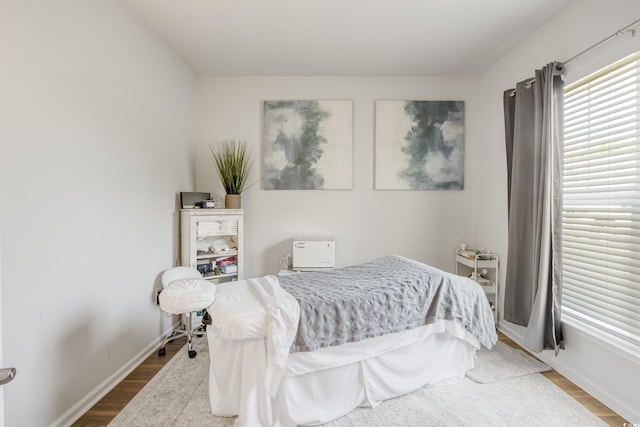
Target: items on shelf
{"type": "Point", "coordinates": [471, 253]}
{"type": "Point", "coordinates": [205, 269]}
{"type": "Point", "coordinates": [229, 269]}
{"type": "Point", "coordinates": [211, 241]}
{"type": "Point", "coordinates": [481, 278]}
{"type": "Point", "coordinates": [217, 245]}
{"type": "Point", "coordinates": [468, 254]}
{"type": "Point", "coordinates": [216, 228]}
{"type": "Point", "coordinates": [227, 265]}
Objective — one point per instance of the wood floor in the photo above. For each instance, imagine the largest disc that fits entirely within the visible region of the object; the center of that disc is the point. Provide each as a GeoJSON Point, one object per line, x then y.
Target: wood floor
{"type": "Point", "coordinates": [110, 405]}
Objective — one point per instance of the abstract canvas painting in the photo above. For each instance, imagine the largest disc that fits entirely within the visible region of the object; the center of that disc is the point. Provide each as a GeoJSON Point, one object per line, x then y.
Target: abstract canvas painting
{"type": "Point", "coordinates": [419, 145]}
{"type": "Point", "coordinates": [308, 145]}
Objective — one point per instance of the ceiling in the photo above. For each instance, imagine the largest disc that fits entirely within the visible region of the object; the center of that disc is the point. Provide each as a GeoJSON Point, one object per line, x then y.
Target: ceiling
{"type": "Point", "coordinates": [343, 37]}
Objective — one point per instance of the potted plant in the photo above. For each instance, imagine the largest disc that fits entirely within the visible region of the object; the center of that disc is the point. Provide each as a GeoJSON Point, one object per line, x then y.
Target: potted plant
{"type": "Point", "coordinates": [232, 162]}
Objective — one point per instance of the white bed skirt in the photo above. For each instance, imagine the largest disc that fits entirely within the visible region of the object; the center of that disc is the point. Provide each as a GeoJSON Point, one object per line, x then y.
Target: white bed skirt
{"type": "Point", "coordinates": [321, 386]}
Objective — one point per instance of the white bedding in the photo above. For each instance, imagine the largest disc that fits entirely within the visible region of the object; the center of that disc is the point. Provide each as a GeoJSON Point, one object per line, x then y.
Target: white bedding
{"type": "Point", "coordinates": [252, 374]}
{"type": "Point", "coordinates": [238, 314]}
{"type": "Point", "coordinates": [271, 314]}
{"type": "Point", "coordinates": [321, 386]}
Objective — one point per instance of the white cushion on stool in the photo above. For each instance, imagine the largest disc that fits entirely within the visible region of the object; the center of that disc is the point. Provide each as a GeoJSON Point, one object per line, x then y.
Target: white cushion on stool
{"type": "Point", "coordinates": [187, 295]}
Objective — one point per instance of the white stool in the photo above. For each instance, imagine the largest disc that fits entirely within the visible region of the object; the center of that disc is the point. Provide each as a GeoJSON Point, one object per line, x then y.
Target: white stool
{"type": "Point", "coordinates": [184, 292]}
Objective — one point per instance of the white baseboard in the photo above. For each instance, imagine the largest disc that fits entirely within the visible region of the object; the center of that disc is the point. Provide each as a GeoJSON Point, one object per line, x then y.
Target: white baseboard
{"type": "Point", "coordinates": [80, 408]}
{"type": "Point", "coordinates": [625, 411]}
{"type": "Point", "coordinates": [578, 378]}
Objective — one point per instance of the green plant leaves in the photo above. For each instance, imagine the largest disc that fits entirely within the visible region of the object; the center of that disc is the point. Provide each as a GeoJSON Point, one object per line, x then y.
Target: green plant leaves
{"type": "Point", "coordinates": [233, 163]}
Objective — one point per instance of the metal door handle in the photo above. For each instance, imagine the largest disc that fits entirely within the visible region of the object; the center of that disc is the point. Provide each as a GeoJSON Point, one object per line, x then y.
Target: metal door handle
{"type": "Point", "coordinates": [6, 375]}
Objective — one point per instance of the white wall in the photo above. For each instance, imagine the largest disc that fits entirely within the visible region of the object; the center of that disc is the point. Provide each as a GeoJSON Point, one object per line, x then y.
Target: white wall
{"type": "Point", "coordinates": [94, 132]}
{"type": "Point", "coordinates": [594, 365]}
{"type": "Point", "coordinates": [424, 225]}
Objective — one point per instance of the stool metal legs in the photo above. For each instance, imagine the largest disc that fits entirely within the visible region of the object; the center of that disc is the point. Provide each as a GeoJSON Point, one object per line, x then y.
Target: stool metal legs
{"type": "Point", "coordinates": [188, 332]}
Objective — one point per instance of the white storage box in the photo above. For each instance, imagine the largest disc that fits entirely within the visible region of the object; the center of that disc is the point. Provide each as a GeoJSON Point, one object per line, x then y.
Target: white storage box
{"type": "Point", "coordinates": [313, 253]}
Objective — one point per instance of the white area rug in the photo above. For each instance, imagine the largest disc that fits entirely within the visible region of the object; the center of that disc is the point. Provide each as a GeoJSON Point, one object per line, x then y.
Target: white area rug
{"type": "Point", "coordinates": [512, 363]}
{"type": "Point", "coordinates": [177, 396]}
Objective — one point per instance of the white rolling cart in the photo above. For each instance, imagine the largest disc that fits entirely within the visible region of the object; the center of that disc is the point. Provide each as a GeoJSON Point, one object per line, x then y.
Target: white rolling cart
{"type": "Point", "coordinates": [483, 267]}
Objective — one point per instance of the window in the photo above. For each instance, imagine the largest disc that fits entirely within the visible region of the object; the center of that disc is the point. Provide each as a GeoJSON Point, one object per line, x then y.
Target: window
{"type": "Point", "coordinates": [601, 207]}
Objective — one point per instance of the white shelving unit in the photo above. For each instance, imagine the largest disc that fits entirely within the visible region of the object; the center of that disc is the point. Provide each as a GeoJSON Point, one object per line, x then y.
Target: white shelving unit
{"type": "Point", "coordinates": [484, 269]}
{"type": "Point", "coordinates": [211, 239]}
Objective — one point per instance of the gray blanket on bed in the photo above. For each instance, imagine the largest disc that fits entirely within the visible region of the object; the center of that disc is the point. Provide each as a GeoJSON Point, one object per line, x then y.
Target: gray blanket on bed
{"type": "Point", "coordinates": [387, 295]}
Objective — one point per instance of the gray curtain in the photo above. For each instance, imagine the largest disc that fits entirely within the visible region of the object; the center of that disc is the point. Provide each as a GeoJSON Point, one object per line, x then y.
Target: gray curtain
{"type": "Point", "coordinates": [534, 145]}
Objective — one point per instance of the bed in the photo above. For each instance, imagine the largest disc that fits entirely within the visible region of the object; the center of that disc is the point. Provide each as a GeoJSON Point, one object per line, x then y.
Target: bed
{"type": "Point", "coordinates": [307, 348]}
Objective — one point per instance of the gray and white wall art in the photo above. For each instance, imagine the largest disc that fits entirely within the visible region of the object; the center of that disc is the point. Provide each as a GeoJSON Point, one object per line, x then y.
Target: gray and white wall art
{"type": "Point", "coordinates": [308, 145]}
{"type": "Point", "coordinates": [419, 145]}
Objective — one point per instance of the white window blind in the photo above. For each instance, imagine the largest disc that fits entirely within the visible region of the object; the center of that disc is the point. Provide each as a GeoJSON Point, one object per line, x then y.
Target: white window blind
{"type": "Point", "coordinates": [601, 208]}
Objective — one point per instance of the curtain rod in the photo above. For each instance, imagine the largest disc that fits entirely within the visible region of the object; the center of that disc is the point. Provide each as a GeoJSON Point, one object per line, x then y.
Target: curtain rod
{"type": "Point", "coordinates": [629, 28]}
